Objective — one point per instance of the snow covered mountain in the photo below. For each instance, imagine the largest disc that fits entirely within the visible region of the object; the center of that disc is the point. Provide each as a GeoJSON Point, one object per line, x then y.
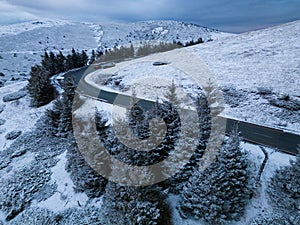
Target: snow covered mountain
{"type": "Point", "coordinates": [259, 72]}
{"type": "Point", "coordinates": [263, 58]}
{"type": "Point", "coordinates": [42, 179]}
{"type": "Point", "coordinates": [22, 44]}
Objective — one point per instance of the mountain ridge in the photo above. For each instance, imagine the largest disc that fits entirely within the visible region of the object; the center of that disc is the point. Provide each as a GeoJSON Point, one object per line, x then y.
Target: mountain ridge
{"type": "Point", "coordinates": [22, 44]}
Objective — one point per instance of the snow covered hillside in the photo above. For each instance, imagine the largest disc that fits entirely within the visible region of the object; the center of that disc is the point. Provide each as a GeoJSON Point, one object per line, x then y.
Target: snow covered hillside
{"type": "Point", "coordinates": [122, 34]}
{"type": "Point", "coordinates": [264, 58]}
{"type": "Point", "coordinates": [10, 106]}
{"type": "Point", "coordinates": [21, 45]}
{"type": "Point", "coordinates": [44, 178]}
{"type": "Point", "coordinates": [260, 72]}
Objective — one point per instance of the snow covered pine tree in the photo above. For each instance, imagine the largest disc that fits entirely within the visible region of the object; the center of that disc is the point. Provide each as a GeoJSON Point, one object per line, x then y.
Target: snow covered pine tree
{"type": "Point", "coordinates": [39, 87]}
{"type": "Point", "coordinates": [219, 193]}
{"type": "Point", "coordinates": [284, 191]}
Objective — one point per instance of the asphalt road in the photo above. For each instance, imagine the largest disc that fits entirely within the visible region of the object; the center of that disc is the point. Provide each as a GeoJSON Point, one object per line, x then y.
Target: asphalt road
{"type": "Point", "coordinates": [262, 135]}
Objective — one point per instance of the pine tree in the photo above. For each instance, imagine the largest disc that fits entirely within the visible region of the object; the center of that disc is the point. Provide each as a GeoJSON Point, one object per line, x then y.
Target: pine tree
{"type": "Point", "coordinates": [93, 57]}
{"type": "Point", "coordinates": [61, 61]}
{"type": "Point", "coordinates": [52, 119]}
{"type": "Point", "coordinates": [99, 54]}
{"type": "Point", "coordinates": [84, 164]}
{"type": "Point", "coordinates": [69, 62]}
{"type": "Point", "coordinates": [53, 64]}
{"type": "Point", "coordinates": [172, 96]}
{"type": "Point", "coordinates": [174, 180]}
{"type": "Point", "coordinates": [221, 192]}
{"type": "Point", "coordinates": [168, 115]}
{"type": "Point", "coordinates": [67, 103]}
{"type": "Point", "coordinates": [76, 61]}
{"type": "Point", "coordinates": [85, 178]}
{"type": "Point", "coordinates": [59, 117]}
{"type": "Point", "coordinates": [39, 87]}
{"type": "Point", "coordinates": [84, 59]}
{"type": "Point", "coordinates": [214, 97]}
{"type": "Point", "coordinates": [127, 204]}
{"type": "Point", "coordinates": [46, 63]}
{"type": "Point", "coordinates": [177, 181]}
{"type": "Point", "coordinates": [284, 190]}
{"type": "Point", "coordinates": [132, 205]}
{"type": "Point", "coordinates": [131, 51]}
{"type": "Point", "coordinates": [50, 63]}
{"type": "Point", "coordinates": [144, 50]}
{"type": "Point", "coordinates": [138, 118]}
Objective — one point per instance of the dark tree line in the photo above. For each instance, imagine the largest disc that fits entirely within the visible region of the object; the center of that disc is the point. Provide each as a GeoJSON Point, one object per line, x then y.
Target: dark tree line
{"type": "Point", "coordinates": [58, 63]}
{"type": "Point", "coordinates": [120, 53]}
{"type": "Point", "coordinates": [189, 43]}
{"type": "Point", "coordinates": [146, 48]}
{"type": "Point", "coordinates": [39, 87]}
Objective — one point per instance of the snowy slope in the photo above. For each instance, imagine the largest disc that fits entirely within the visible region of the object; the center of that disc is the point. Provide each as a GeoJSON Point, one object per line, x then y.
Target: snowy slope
{"type": "Point", "coordinates": [254, 70]}
{"type": "Point", "coordinates": [245, 62]}
{"type": "Point", "coordinates": [124, 33]}
{"type": "Point", "coordinates": [21, 45]}
{"type": "Point", "coordinates": [14, 29]}
{"type": "Point", "coordinates": [16, 115]}
{"type": "Point", "coordinates": [265, 59]}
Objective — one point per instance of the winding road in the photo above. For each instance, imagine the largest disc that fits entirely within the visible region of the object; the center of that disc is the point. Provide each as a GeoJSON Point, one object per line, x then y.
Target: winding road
{"type": "Point", "coordinates": [262, 135]}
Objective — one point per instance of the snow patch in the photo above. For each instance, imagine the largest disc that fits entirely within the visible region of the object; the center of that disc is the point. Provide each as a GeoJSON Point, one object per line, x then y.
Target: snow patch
{"type": "Point", "coordinates": [160, 31]}
{"type": "Point", "coordinates": [18, 28]}
{"type": "Point", "coordinates": [259, 202]}
{"type": "Point", "coordinates": [65, 197]}
{"type": "Point", "coordinates": [18, 115]}
{"type": "Point", "coordinates": [98, 32]}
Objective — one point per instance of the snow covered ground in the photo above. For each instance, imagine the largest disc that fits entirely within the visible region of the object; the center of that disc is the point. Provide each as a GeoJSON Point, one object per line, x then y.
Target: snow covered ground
{"type": "Point", "coordinates": [16, 115]}
{"type": "Point", "coordinates": [263, 58]}
{"type": "Point", "coordinates": [254, 70]}
{"type": "Point", "coordinates": [65, 198]}
{"type": "Point", "coordinates": [244, 63]}
{"type": "Point", "coordinates": [125, 33]}
{"type": "Point", "coordinates": [21, 45]}
{"type": "Point", "coordinates": [268, 59]}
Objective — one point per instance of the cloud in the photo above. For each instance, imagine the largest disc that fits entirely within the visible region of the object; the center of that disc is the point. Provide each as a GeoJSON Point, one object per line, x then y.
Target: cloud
{"type": "Point", "coordinates": [222, 14]}
{"type": "Point", "coordinates": [12, 14]}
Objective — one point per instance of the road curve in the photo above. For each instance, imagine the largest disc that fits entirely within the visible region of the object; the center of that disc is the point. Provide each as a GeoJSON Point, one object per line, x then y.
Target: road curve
{"type": "Point", "coordinates": [270, 137]}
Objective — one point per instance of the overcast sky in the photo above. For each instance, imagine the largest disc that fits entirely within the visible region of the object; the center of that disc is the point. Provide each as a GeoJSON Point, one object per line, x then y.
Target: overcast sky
{"type": "Point", "coordinates": [226, 15]}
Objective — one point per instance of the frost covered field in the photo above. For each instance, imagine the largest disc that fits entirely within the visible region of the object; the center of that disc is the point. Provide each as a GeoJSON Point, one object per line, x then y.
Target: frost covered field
{"type": "Point", "coordinates": [258, 68]}
{"type": "Point", "coordinates": [23, 44]}
{"type": "Point", "coordinates": [258, 73]}
{"type": "Point", "coordinates": [45, 180]}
